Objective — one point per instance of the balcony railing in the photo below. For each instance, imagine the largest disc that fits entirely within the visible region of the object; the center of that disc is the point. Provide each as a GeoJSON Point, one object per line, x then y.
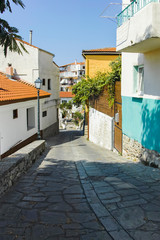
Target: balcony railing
{"type": "Point", "coordinates": [131, 9]}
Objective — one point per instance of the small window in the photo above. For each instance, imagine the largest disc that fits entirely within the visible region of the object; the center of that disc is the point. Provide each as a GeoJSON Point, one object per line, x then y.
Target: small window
{"type": "Point", "coordinates": [15, 113]}
{"type": "Point", "coordinates": [83, 67]}
{"type": "Point", "coordinates": [44, 113]}
{"type": "Point", "coordinates": [139, 80]}
{"type": "Point", "coordinates": [49, 84]}
{"type": "Point", "coordinates": [43, 81]}
{"type": "Point", "coordinates": [30, 118]}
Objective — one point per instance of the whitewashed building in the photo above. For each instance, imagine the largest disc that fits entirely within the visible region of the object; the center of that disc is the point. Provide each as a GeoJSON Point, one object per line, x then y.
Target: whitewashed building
{"type": "Point", "coordinates": [138, 38]}
{"type": "Point", "coordinates": [18, 114]}
{"type": "Point", "coordinates": [29, 66]}
{"type": "Point", "coordinates": [71, 74]}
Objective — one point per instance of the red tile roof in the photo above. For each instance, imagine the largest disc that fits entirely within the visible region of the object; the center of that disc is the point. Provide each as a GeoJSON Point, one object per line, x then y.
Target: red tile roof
{"type": "Point", "coordinates": [66, 95]}
{"type": "Point", "coordinates": [12, 91]}
{"type": "Point", "coordinates": [78, 63]}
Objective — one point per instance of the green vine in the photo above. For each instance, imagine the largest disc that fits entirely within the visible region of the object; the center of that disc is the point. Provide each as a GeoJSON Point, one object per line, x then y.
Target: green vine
{"type": "Point", "coordinates": [92, 87]}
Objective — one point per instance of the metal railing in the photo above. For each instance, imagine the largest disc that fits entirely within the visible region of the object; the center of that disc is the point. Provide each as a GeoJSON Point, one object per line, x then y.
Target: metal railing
{"type": "Point", "coordinates": [131, 9]}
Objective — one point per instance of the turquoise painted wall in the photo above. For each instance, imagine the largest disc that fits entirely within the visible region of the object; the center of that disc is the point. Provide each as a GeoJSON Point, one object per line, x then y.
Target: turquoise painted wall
{"type": "Point", "coordinates": [141, 121]}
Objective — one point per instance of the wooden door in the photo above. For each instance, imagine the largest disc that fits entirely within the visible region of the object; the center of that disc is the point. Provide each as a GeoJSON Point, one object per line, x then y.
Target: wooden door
{"type": "Point", "coordinates": [118, 118]}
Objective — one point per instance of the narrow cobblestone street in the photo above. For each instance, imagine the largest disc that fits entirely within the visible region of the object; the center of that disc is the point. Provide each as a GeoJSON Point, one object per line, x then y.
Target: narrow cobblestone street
{"type": "Point", "coordinates": [79, 191]}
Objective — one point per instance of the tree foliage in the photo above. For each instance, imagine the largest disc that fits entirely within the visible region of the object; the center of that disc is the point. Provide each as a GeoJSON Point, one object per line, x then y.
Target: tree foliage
{"type": "Point", "coordinates": [92, 87]}
{"type": "Point", "coordinates": [66, 105]}
{"type": "Point", "coordinates": [77, 117]}
{"type": "Point", "coordinates": [8, 34]}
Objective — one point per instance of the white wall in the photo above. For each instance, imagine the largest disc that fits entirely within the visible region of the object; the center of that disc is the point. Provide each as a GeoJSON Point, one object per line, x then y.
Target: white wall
{"type": "Point", "coordinates": [151, 62]}
{"type": "Point", "coordinates": [100, 129]}
{"type": "Point", "coordinates": [26, 65]}
{"type": "Point", "coordinates": [13, 131]}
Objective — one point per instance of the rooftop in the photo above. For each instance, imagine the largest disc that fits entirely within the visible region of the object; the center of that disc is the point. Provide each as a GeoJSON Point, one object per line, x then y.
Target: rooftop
{"type": "Point", "coordinates": [12, 91]}
{"type": "Point", "coordinates": [66, 94]}
{"type": "Point", "coordinates": [101, 51]}
{"type": "Point", "coordinates": [75, 63]}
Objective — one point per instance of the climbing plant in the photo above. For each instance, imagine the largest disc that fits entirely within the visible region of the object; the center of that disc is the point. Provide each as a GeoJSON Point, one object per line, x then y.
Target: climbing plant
{"type": "Point", "coordinates": [92, 87]}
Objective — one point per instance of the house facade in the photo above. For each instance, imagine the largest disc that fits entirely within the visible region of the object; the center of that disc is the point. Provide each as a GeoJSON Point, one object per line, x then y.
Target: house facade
{"type": "Point", "coordinates": [29, 66]}
{"type": "Point", "coordinates": [18, 111]}
{"type": "Point", "coordinates": [100, 116]}
{"type": "Point", "coordinates": [71, 74]}
{"type": "Point", "coordinates": [138, 38]}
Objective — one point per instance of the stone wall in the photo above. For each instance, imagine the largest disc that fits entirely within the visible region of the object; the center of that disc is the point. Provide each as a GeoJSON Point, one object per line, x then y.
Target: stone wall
{"type": "Point", "coordinates": [51, 130]}
{"type": "Point", "coordinates": [13, 166]}
{"type": "Point", "coordinates": [135, 151]}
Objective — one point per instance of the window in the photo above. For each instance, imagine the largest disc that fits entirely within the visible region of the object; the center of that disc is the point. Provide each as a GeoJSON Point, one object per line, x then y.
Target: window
{"type": "Point", "coordinates": [30, 118]}
{"type": "Point", "coordinates": [139, 80]}
{"type": "Point", "coordinates": [83, 67]}
{"type": "Point", "coordinates": [43, 81]}
{"type": "Point", "coordinates": [15, 113]}
{"type": "Point", "coordinates": [44, 113]}
{"type": "Point", "coordinates": [49, 84]}
{"type": "Point", "coordinates": [64, 101]}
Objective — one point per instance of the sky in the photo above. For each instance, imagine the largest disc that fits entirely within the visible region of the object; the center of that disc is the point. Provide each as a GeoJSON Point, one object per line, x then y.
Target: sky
{"type": "Point", "coordinates": [66, 27]}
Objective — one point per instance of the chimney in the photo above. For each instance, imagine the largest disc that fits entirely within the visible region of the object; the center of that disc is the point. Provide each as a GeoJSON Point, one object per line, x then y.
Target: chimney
{"type": "Point", "coordinates": [30, 37]}
{"type": "Point", "coordinates": [75, 61]}
{"type": "Point", "coordinates": [9, 71]}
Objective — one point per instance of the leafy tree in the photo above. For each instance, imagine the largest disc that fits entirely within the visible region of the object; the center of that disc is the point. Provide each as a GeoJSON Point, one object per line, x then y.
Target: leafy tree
{"type": "Point", "coordinates": [92, 87]}
{"type": "Point", "coordinates": [66, 105]}
{"type": "Point", "coordinates": [8, 34]}
{"type": "Point", "coordinates": [77, 116]}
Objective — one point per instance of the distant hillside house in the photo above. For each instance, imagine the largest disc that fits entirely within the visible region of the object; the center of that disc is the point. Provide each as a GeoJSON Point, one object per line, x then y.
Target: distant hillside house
{"type": "Point", "coordinates": [65, 96]}
{"type": "Point", "coordinates": [18, 111]}
{"type": "Point", "coordinates": [29, 66]}
{"type": "Point", "coordinates": [71, 74]}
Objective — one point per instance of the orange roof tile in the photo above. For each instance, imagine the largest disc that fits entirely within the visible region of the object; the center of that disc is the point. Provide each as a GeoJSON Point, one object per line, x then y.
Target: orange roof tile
{"type": "Point", "coordinates": [66, 94]}
{"type": "Point", "coordinates": [78, 63]}
{"type": "Point", "coordinates": [101, 50]}
{"type": "Point", "coordinates": [12, 91]}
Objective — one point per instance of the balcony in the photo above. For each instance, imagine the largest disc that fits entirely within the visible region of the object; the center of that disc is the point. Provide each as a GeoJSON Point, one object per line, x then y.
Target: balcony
{"type": "Point", "coordinates": [139, 27]}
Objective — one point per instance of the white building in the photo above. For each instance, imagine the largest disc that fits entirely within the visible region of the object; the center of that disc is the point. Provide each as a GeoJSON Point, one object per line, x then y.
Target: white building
{"type": "Point", "coordinates": [18, 114]}
{"type": "Point", "coordinates": [29, 66]}
{"type": "Point", "coordinates": [71, 74]}
{"type": "Point", "coordinates": [138, 38]}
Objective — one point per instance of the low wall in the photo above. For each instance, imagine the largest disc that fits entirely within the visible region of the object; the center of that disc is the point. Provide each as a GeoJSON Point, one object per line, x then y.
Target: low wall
{"type": "Point", "coordinates": [13, 166]}
{"type": "Point", "coordinates": [135, 151]}
{"type": "Point", "coordinates": [100, 129]}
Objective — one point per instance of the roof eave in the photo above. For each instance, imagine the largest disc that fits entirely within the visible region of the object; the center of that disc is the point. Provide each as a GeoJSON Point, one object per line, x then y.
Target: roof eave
{"type": "Point", "coordinates": [84, 53]}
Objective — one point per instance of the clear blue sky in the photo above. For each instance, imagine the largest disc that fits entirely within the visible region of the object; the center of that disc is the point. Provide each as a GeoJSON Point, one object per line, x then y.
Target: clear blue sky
{"type": "Point", "coordinates": [65, 27]}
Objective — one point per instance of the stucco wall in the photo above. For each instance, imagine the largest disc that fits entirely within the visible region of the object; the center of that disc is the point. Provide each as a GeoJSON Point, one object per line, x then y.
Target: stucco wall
{"type": "Point", "coordinates": [48, 70]}
{"type": "Point", "coordinates": [26, 65]}
{"type": "Point", "coordinates": [100, 129]}
{"type": "Point", "coordinates": [13, 131]}
{"type": "Point", "coordinates": [96, 63]}
{"type": "Point", "coordinates": [151, 61]}
{"type": "Point", "coordinates": [141, 121]}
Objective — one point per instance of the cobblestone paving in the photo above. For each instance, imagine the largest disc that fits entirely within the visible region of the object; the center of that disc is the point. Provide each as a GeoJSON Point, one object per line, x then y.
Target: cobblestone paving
{"type": "Point", "coordinates": [82, 192]}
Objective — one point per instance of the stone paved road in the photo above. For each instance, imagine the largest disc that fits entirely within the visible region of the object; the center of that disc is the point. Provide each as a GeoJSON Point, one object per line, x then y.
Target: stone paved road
{"type": "Point", "coordinates": [78, 191]}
